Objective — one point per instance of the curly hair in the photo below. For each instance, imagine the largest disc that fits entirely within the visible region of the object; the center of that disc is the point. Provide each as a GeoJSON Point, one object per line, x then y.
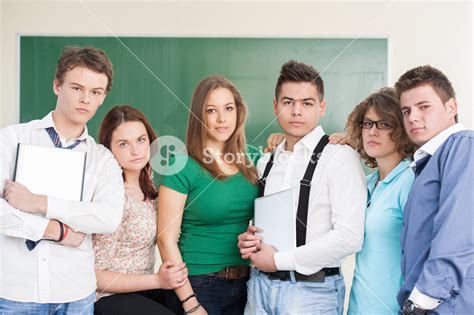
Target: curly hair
{"type": "Point", "coordinates": [386, 104]}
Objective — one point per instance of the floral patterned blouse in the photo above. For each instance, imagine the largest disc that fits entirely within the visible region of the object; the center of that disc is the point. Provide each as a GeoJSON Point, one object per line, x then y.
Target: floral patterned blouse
{"type": "Point", "coordinates": [131, 249]}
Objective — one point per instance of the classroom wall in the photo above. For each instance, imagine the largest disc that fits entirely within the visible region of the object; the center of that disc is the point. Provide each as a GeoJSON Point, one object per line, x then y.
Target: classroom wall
{"type": "Point", "coordinates": [438, 33]}
{"type": "Point", "coordinates": [427, 32]}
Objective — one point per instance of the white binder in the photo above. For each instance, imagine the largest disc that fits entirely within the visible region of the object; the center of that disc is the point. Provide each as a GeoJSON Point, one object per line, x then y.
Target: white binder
{"type": "Point", "coordinates": [51, 171]}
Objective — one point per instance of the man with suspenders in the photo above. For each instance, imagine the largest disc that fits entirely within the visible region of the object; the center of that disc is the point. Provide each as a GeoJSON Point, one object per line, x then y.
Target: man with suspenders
{"type": "Point", "coordinates": [330, 185]}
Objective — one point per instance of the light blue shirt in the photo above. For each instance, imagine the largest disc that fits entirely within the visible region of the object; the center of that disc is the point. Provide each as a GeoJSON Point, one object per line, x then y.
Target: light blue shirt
{"type": "Point", "coordinates": [378, 278]}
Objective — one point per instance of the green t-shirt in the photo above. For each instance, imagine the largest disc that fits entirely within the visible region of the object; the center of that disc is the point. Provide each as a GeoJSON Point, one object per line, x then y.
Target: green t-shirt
{"type": "Point", "coordinates": [216, 212]}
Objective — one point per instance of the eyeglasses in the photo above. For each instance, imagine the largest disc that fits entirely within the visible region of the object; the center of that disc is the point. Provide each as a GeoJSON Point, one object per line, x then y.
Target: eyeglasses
{"type": "Point", "coordinates": [380, 124]}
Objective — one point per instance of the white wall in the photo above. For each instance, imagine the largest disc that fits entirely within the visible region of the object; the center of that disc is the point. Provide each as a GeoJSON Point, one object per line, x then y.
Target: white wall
{"type": "Point", "coordinates": [436, 33]}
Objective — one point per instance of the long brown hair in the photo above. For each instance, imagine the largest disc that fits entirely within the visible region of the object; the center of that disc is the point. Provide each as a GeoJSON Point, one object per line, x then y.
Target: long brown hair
{"type": "Point", "coordinates": [386, 104]}
{"type": "Point", "coordinates": [114, 118]}
{"type": "Point", "coordinates": [197, 132]}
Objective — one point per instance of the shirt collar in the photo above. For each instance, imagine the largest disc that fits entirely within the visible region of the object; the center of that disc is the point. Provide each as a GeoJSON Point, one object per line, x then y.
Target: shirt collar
{"type": "Point", "coordinates": [47, 122]}
{"type": "Point", "coordinates": [311, 139]}
{"type": "Point", "coordinates": [403, 165]}
{"type": "Point", "coordinates": [374, 178]}
{"type": "Point", "coordinates": [430, 147]}
{"type": "Point", "coordinates": [307, 143]}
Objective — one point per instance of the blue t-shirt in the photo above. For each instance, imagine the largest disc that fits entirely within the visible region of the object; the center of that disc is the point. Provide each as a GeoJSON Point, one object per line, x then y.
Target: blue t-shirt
{"type": "Point", "coordinates": [377, 277]}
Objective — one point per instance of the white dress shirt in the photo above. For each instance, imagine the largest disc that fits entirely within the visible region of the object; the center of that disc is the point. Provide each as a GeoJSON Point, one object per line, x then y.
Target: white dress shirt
{"type": "Point", "coordinates": [337, 201]}
{"type": "Point", "coordinates": [52, 273]}
{"type": "Point", "coordinates": [429, 148]}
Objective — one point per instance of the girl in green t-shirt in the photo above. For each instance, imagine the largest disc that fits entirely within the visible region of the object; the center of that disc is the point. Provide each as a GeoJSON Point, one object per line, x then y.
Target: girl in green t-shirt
{"type": "Point", "coordinates": [206, 205]}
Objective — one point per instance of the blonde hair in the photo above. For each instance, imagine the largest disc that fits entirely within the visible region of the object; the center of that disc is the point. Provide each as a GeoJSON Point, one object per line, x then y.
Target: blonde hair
{"type": "Point", "coordinates": [197, 132]}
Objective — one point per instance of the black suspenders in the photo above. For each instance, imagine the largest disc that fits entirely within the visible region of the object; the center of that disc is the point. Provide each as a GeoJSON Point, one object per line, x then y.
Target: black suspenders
{"type": "Point", "coordinates": [305, 187]}
{"type": "Point", "coordinates": [263, 181]}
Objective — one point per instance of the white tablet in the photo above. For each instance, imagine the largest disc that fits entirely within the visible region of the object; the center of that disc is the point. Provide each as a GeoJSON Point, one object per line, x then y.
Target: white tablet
{"type": "Point", "coordinates": [275, 216]}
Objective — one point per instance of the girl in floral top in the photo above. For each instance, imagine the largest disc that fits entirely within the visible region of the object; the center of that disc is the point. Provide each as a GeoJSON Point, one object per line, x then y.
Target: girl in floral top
{"type": "Point", "coordinates": [124, 260]}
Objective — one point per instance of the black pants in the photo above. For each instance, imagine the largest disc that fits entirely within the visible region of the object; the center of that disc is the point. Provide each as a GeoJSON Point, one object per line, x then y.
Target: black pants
{"type": "Point", "coordinates": [143, 302]}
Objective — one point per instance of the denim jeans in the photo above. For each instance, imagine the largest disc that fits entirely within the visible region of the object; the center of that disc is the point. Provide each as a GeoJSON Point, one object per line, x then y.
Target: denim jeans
{"type": "Point", "coordinates": [84, 306]}
{"type": "Point", "coordinates": [217, 296]}
{"type": "Point", "coordinates": [268, 296]}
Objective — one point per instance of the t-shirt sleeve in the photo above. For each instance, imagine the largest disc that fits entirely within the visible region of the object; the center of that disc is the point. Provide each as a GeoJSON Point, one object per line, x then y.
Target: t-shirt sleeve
{"type": "Point", "coordinates": [254, 154]}
{"type": "Point", "coordinates": [183, 179]}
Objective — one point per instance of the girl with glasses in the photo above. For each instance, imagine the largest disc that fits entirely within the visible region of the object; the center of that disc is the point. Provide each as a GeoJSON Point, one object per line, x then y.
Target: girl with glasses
{"type": "Point", "coordinates": [375, 129]}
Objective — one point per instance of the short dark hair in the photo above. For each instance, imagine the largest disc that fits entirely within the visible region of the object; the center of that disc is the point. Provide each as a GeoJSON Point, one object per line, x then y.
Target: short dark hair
{"type": "Point", "coordinates": [426, 75]}
{"type": "Point", "coordinates": [89, 57]}
{"type": "Point", "coordinates": [386, 104]}
{"type": "Point", "coordinates": [294, 71]}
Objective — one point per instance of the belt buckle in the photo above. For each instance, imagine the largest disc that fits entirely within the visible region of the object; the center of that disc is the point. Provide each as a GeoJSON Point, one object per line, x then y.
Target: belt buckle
{"type": "Point", "coordinates": [226, 273]}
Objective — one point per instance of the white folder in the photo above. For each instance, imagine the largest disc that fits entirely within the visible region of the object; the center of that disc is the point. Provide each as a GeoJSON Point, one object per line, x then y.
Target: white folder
{"type": "Point", "coordinates": [275, 217]}
{"type": "Point", "coordinates": [51, 171]}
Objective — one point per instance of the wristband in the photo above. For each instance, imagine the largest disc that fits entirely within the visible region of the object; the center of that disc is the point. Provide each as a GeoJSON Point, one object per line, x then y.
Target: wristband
{"type": "Point", "coordinates": [187, 299]}
{"type": "Point", "coordinates": [61, 232]}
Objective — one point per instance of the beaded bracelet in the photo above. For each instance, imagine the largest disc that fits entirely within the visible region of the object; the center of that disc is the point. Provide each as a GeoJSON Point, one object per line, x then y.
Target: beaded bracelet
{"type": "Point", "coordinates": [192, 310]}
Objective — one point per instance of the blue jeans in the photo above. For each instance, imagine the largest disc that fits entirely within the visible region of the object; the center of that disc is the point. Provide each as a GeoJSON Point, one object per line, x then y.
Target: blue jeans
{"type": "Point", "coordinates": [84, 306]}
{"type": "Point", "coordinates": [268, 296]}
{"type": "Point", "coordinates": [217, 296]}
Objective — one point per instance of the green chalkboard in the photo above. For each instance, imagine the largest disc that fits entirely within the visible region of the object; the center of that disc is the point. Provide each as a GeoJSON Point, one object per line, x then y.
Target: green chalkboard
{"type": "Point", "coordinates": [158, 75]}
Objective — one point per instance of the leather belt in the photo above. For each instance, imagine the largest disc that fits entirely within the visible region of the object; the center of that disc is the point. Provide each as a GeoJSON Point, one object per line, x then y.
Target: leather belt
{"type": "Point", "coordinates": [232, 273]}
{"type": "Point", "coordinates": [315, 277]}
